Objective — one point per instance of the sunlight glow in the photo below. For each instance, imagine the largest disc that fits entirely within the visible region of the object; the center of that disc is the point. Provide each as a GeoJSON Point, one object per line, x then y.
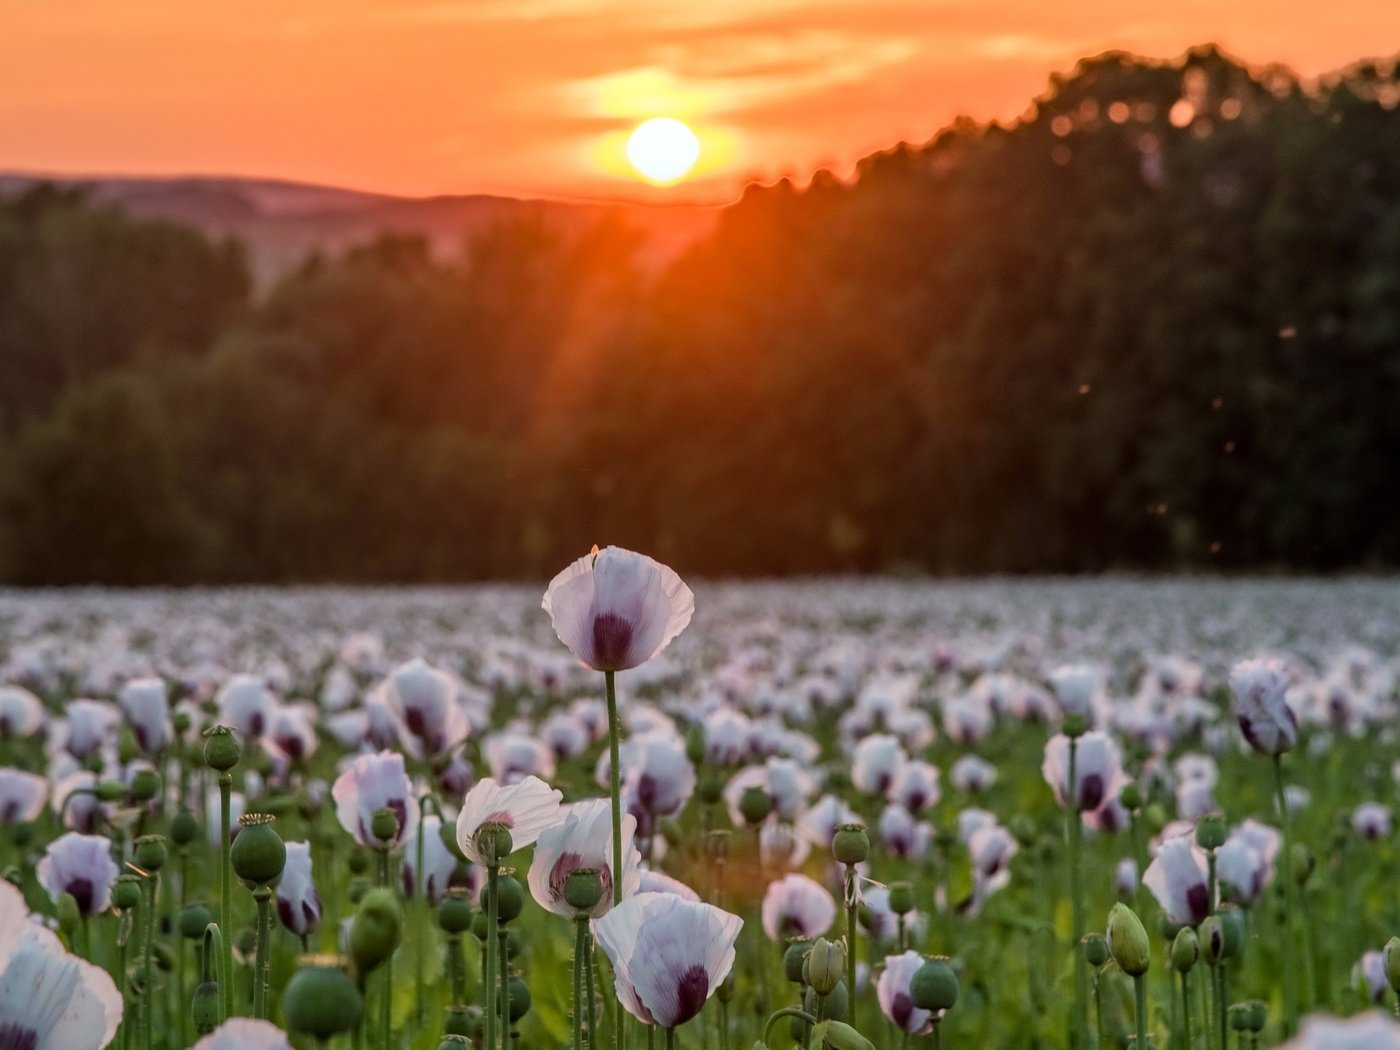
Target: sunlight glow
{"type": "Point", "coordinates": [663, 150]}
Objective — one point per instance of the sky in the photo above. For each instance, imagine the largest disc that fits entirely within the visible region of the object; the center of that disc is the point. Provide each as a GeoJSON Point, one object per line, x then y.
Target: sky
{"type": "Point", "coordinates": [536, 97]}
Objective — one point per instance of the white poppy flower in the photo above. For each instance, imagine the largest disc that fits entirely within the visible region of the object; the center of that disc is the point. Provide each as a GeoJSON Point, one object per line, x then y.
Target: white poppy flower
{"type": "Point", "coordinates": [797, 906]}
{"type": "Point", "coordinates": [1261, 705]}
{"type": "Point", "coordinates": [583, 839]}
{"type": "Point", "coordinates": [372, 783]}
{"type": "Point", "coordinates": [526, 809]}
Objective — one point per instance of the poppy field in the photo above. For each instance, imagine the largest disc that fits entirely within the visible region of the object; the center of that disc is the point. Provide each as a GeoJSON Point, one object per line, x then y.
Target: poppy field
{"type": "Point", "coordinates": [617, 812]}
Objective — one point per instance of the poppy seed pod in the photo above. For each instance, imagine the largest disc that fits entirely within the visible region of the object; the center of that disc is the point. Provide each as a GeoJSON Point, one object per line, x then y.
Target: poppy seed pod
{"type": "Point", "coordinates": [384, 825]}
{"type": "Point", "coordinates": [205, 1006]}
{"type": "Point", "coordinates": [321, 1001]}
{"type": "Point", "coordinates": [126, 892]}
{"type": "Point", "coordinates": [184, 829]}
{"type": "Point", "coordinates": [464, 1021]}
{"type": "Point", "coordinates": [793, 957]}
{"type": "Point", "coordinates": [145, 785]}
{"type": "Point", "coordinates": [824, 965]}
{"type": "Point", "coordinates": [1213, 941]}
{"type": "Point", "coordinates": [453, 1041]}
{"type": "Point", "coordinates": [258, 853]}
{"type": "Point", "coordinates": [1390, 955]}
{"type": "Point", "coordinates": [510, 897]}
{"type": "Point", "coordinates": [1239, 1017]}
{"type": "Point", "coordinates": [520, 1000]}
{"type": "Point", "coordinates": [110, 790]}
{"type": "Point", "coordinates": [221, 748]}
{"type": "Point", "coordinates": [193, 921]}
{"type": "Point", "coordinates": [1210, 833]}
{"type": "Point", "coordinates": [583, 889]}
{"type": "Point", "coordinates": [850, 844]}
{"type": "Point", "coordinates": [375, 930]}
{"type": "Point", "coordinates": [710, 788]}
{"type": "Point", "coordinates": [1131, 796]}
{"type": "Point", "coordinates": [1186, 949]}
{"type": "Point", "coordinates": [151, 853]}
{"type": "Point", "coordinates": [1127, 941]}
{"type": "Point", "coordinates": [1258, 1015]}
{"type": "Point", "coordinates": [754, 805]}
{"type": "Point", "coordinates": [1232, 923]}
{"type": "Point", "coordinates": [1074, 726]}
{"type": "Point", "coordinates": [1095, 949]}
{"type": "Point", "coordinates": [901, 898]}
{"type": "Point", "coordinates": [454, 913]}
{"type": "Point", "coordinates": [494, 843]}
{"type": "Point", "coordinates": [934, 986]}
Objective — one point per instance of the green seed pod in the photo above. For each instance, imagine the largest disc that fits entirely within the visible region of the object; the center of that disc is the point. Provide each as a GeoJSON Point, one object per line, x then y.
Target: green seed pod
{"type": "Point", "coordinates": [901, 898]}
{"type": "Point", "coordinates": [384, 825]}
{"type": "Point", "coordinates": [258, 853]}
{"type": "Point", "coordinates": [510, 897]}
{"type": "Point", "coordinates": [1167, 928]}
{"type": "Point", "coordinates": [204, 1007]}
{"type": "Point", "coordinates": [583, 889]}
{"type": "Point", "coordinates": [358, 888]}
{"type": "Point", "coordinates": [754, 805]}
{"type": "Point", "coordinates": [1239, 1017]}
{"type": "Point", "coordinates": [1156, 817]}
{"type": "Point", "coordinates": [359, 862]}
{"type": "Point", "coordinates": [1232, 922]}
{"type": "Point", "coordinates": [934, 986]}
{"type": "Point", "coordinates": [1127, 941]}
{"type": "Point", "coordinates": [184, 829]}
{"type": "Point", "coordinates": [792, 959]}
{"type": "Point", "coordinates": [68, 915]}
{"type": "Point", "coordinates": [454, 913]}
{"type": "Point", "coordinates": [375, 930]}
{"type": "Point", "coordinates": [520, 1001]}
{"type": "Point", "coordinates": [126, 892]}
{"type": "Point", "coordinates": [145, 785]}
{"type": "Point", "coordinates": [193, 921]}
{"type": "Point", "coordinates": [180, 722]}
{"type": "Point", "coordinates": [464, 1021]}
{"type": "Point", "coordinates": [1210, 833]}
{"type": "Point", "coordinates": [824, 965]}
{"type": "Point", "coordinates": [695, 746]}
{"type": "Point", "coordinates": [515, 942]}
{"type": "Point", "coordinates": [1186, 949]}
{"type": "Point", "coordinates": [1131, 796]}
{"type": "Point", "coordinates": [837, 1005]}
{"type": "Point", "coordinates": [1212, 934]}
{"type": "Point", "coordinates": [710, 788]}
{"type": "Point", "coordinates": [128, 750]}
{"type": "Point", "coordinates": [453, 1042]}
{"type": "Point", "coordinates": [221, 748]}
{"type": "Point", "coordinates": [850, 845]}
{"type": "Point", "coordinates": [1258, 1015]}
{"type": "Point", "coordinates": [151, 853]}
{"type": "Point", "coordinates": [110, 790]}
{"type": "Point", "coordinates": [1074, 726]}
{"type": "Point", "coordinates": [725, 992]}
{"type": "Point", "coordinates": [321, 1001]}
{"type": "Point", "coordinates": [1095, 949]}
{"type": "Point", "coordinates": [494, 843]}
{"type": "Point", "coordinates": [838, 1035]}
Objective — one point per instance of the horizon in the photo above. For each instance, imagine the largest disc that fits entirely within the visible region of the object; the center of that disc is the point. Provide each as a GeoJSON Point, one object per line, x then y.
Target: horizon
{"type": "Point", "coordinates": [773, 88]}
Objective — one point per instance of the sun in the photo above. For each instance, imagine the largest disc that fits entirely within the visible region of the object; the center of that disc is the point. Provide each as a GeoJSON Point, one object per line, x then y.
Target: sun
{"type": "Point", "coordinates": [663, 150]}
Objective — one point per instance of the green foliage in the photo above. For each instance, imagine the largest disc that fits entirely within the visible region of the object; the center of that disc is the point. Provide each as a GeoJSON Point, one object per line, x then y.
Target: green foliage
{"type": "Point", "coordinates": [1156, 323]}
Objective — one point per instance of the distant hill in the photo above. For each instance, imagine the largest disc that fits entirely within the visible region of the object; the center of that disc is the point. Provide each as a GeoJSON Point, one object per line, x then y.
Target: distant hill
{"type": "Point", "coordinates": [282, 223]}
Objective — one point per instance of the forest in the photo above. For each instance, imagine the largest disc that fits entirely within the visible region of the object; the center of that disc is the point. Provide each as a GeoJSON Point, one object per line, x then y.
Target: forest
{"type": "Point", "coordinates": [1153, 325]}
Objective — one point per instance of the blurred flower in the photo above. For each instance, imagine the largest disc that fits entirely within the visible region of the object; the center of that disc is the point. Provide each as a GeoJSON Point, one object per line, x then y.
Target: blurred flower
{"type": "Point", "coordinates": [21, 713]}
{"type": "Point", "coordinates": [797, 906]}
{"type": "Point", "coordinates": [145, 704]}
{"type": "Point", "coordinates": [298, 904]}
{"type": "Point", "coordinates": [896, 1002]}
{"type": "Point", "coordinates": [1261, 705]}
{"type": "Point", "coordinates": [1098, 770]}
{"type": "Point", "coordinates": [80, 865]}
{"type": "Point", "coordinates": [22, 796]}
{"type": "Point", "coordinates": [369, 784]}
{"type": "Point", "coordinates": [246, 703]}
{"type": "Point", "coordinates": [972, 774]}
{"type": "Point", "coordinates": [1177, 878]}
{"type": "Point", "coordinates": [1371, 820]}
{"type": "Point", "coordinates": [245, 1033]}
{"type": "Point", "coordinates": [1371, 1030]}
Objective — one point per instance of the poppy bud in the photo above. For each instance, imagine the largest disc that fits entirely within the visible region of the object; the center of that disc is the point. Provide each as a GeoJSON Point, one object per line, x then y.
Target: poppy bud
{"type": "Point", "coordinates": [481, 923]}
{"type": "Point", "coordinates": [184, 829]}
{"type": "Point", "coordinates": [68, 914]}
{"type": "Point", "coordinates": [193, 921]}
{"type": "Point", "coordinates": [838, 1035]}
{"type": "Point", "coordinates": [934, 986]}
{"type": "Point", "coordinates": [164, 957]}
{"type": "Point", "coordinates": [204, 1007]}
{"type": "Point", "coordinates": [494, 842]}
{"type": "Point", "coordinates": [151, 853]}
{"type": "Point", "coordinates": [1095, 949]}
{"type": "Point", "coordinates": [901, 898]}
{"type": "Point", "coordinates": [1213, 941]}
{"type": "Point", "coordinates": [1167, 928]}
{"type": "Point", "coordinates": [464, 1021]}
{"type": "Point", "coordinates": [850, 845]}
{"type": "Point", "coordinates": [145, 785]}
{"type": "Point", "coordinates": [127, 748]}
{"type": "Point", "coordinates": [221, 749]}
{"type": "Point", "coordinates": [126, 892]}
{"type": "Point", "coordinates": [1210, 833]}
{"type": "Point", "coordinates": [824, 965]}
{"type": "Point", "coordinates": [322, 1002]}
{"type": "Point", "coordinates": [1258, 1015]}
{"type": "Point", "coordinates": [510, 897]}
{"type": "Point", "coordinates": [180, 722]}
{"type": "Point", "coordinates": [454, 913]}
{"type": "Point", "coordinates": [1127, 941]}
{"type": "Point", "coordinates": [711, 788]}
{"type": "Point", "coordinates": [359, 862]}
{"type": "Point", "coordinates": [837, 1005]}
{"type": "Point", "coordinates": [519, 996]}
{"type": "Point", "coordinates": [1186, 949]}
{"type": "Point", "coordinates": [725, 992]}
{"type": "Point", "coordinates": [1232, 923]}
{"type": "Point", "coordinates": [375, 929]}
{"type": "Point", "coordinates": [583, 889]}
{"type": "Point", "coordinates": [754, 805]}
{"type": "Point", "coordinates": [1131, 796]}
{"type": "Point", "coordinates": [358, 888]}
{"type": "Point", "coordinates": [1074, 726]}
{"type": "Point", "coordinates": [1156, 816]}
{"type": "Point", "coordinates": [258, 853]}
{"type": "Point", "coordinates": [695, 745]}
{"type": "Point", "coordinates": [384, 825]}
{"type": "Point", "coordinates": [792, 959]}
{"type": "Point", "coordinates": [110, 790]}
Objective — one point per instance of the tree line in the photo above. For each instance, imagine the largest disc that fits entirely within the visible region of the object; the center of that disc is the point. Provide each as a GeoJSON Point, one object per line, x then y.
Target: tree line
{"type": "Point", "coordinates": [1154, 324]}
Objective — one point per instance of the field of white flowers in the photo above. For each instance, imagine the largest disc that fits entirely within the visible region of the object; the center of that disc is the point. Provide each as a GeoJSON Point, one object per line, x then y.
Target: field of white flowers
{"type": "Point", "coordinates": [854, 814]}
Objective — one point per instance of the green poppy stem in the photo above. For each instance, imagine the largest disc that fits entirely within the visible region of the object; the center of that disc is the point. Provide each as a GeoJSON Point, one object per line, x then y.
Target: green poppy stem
{"type": "Point", "coordinates": [1074, 831]}
{"type": "Point", "coordinates": [851, 910]}
{"type": "Point", "coordinates": [225, 886]}
{"type": "Point", "coordinates": [493, 926]}
{"type": "Point", "coordinates": [1140, 991]}
{"type": "Point", "coordinates": [580, 964]}
{"type": "Point", "coordinates": [505, 989]}
{"type": "Point", "coordinates": [263, 959]}
{"type": "Point", "coordinates": [1290, 993]}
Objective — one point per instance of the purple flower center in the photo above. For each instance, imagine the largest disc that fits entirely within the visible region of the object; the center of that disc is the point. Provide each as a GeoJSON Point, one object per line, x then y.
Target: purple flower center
{"type": "Point", "coordinates": [612, 637]}
{"type": "Point", "coordinates": [692, 989]}
{"type": "Point", "coordinates": [13, 1037]}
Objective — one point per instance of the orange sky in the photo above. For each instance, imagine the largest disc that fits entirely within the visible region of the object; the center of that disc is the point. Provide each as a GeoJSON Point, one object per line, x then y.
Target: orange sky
{"type": "Point", "coordinates": [535, 96]}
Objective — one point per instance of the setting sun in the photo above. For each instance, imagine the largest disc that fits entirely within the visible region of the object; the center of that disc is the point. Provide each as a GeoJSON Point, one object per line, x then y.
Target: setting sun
{"type": "Point", "coordinates": [663, 150]}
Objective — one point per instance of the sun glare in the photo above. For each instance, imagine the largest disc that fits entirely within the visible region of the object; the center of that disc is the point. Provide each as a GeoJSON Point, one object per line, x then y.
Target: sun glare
{"type": "Point", "coordinates": [663, 150]}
